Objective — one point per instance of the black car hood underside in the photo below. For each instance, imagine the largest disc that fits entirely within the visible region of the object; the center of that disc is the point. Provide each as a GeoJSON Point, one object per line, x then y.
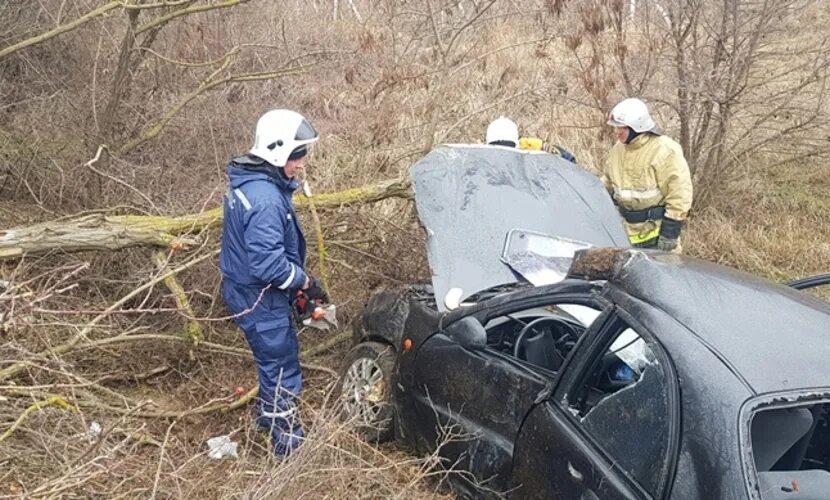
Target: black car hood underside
{"type": "Point", "coordinates": [469, 198]}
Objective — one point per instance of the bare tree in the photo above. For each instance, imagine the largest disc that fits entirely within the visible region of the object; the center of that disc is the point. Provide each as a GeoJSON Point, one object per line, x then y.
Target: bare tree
{"type": "Point", "coordinates": [739, 90]}
{"type": "Point", "coordinates": [723, 70]}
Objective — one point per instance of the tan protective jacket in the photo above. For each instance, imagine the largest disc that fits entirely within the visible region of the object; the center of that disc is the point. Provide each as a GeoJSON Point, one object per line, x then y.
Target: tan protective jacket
{"type": "Point", "coordinates": [648, 172]}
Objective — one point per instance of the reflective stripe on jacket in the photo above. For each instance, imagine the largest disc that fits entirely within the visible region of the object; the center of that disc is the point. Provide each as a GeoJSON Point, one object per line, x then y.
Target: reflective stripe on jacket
{"type": "Point", "coordinates": [262, 242]}
{"type": "Point", "coordinates": [650, 171]}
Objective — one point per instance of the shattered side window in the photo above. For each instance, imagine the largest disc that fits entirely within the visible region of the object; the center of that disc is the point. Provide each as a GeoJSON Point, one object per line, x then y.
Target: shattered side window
{"type": "Point", "coordinates": [791, 451]}
{"type": "Point", "coordinates": [623, 404]}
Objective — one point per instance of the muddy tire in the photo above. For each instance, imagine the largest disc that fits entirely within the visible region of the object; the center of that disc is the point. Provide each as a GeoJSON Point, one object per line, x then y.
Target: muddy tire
{"type": "Point", "coordinates": [366, 390]}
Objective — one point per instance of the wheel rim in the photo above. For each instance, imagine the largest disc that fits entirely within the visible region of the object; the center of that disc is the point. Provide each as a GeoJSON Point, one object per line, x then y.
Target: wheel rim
{"type": "Point", "coordinates": [364, 392]}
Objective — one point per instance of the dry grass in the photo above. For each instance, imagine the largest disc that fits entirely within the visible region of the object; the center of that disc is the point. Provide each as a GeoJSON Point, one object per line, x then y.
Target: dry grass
{"type": "Point", "coordinates": [381, 91]}
{"type": "Point", "coordinates": [54, 453]}
{"type": "Point", "coordinates": [771, 223]}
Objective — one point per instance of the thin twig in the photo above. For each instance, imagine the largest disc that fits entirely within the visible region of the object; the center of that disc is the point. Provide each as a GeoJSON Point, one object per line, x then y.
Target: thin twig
{"type": "Point", "coordinates": [53, 401]}
{"type": "Point", "coordinates": [90, 165]}
{"type": "Point", "coordinates": [70, 344]}
{"type": "Point", "coordinates": [161, 459]}
{"type": "Point", "coordinates": [159, 21]}
{"type": "Point", "coordinates": [100, 11]}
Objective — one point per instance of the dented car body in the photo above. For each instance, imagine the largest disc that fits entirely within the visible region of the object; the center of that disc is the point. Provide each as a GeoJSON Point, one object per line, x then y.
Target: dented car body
{"type": "Point", "coordinates": [636, 375]}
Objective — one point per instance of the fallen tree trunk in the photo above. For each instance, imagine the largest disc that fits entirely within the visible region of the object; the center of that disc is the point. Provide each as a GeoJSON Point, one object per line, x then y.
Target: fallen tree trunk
{"type": "Point", "coordinates": [111, 232]}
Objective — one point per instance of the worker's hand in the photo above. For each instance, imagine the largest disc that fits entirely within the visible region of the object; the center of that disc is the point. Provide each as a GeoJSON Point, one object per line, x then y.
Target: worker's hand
{"type": "Point", "coordinates": [666, 244]}
{"type": "Point", "coordinates": [669, 234]}
{"type": "Point", "coordinates": [309, 298]}
{"type": "Point", "coordinates": [606, 183]}
{"type": "Point", "coordinates": [315, 292]}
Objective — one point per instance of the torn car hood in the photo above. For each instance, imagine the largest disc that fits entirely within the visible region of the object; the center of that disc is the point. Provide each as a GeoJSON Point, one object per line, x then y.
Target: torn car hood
{"type": "Point", "coordinates": [470, 197]}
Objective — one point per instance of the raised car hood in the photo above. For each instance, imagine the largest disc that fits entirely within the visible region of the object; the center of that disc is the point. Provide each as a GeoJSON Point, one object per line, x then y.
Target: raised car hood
{"type": "Point", "coordinates": [470, 197]}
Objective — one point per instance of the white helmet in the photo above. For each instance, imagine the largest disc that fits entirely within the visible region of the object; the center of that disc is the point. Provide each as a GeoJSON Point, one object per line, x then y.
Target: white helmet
{"type": "Point", "coordinates": [632, 113]}
{"type": "Point", "coordinates": [279, 133]}
{"type": "Point", "coordinates": [503, 130]}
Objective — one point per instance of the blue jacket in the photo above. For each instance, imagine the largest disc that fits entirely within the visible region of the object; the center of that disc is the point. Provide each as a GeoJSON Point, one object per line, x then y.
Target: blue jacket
{"type": "Point", "coordinates": [262, 241]}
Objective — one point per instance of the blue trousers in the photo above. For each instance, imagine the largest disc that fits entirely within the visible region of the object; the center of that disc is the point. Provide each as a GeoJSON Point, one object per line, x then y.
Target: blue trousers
{"type": "Point", "coordinates": [270, 333]}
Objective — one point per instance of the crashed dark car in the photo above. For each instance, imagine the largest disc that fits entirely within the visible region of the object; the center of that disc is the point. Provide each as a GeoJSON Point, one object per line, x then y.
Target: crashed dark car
{"type": "Point", "coordinates": [549, 360]}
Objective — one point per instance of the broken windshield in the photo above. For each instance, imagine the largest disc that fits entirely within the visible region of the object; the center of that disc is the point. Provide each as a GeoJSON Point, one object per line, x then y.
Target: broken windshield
{"type": "Point", "coordinates": [539, 258]}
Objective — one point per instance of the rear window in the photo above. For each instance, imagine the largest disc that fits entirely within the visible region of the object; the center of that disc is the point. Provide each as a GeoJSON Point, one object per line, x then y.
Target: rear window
{"type": "Point", "coordinates": [791, 451]}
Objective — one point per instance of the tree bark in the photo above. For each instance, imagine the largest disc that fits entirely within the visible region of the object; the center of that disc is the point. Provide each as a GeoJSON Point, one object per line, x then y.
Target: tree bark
{"type": "Point", "coordinates": [122, 78]}
{"type": "Point", "coordinates": [112, 232]}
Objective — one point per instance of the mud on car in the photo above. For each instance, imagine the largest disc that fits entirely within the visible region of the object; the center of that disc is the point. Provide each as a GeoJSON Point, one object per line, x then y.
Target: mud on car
{"type": "Point", "coordinates": [567, 365]}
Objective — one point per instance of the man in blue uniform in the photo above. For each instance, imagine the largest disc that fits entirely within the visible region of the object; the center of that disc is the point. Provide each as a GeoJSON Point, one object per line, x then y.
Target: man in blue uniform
{"type": "Point", "coordinates": [262, 257]}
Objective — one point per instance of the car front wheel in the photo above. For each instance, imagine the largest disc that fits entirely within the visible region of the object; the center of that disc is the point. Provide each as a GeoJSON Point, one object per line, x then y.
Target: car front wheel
{"type": "Point", "coordinates": [366, 390]}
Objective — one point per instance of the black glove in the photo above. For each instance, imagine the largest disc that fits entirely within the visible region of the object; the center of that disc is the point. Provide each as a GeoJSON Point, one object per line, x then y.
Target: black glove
{"type": "Point", "coordinates": [307, 300]}
{"type": "Point", "coordinates": [669, 234]}
{"type": "Point", "coordinates": [666, 244]}
{"type": "Point", "coordinates": [315, 292]}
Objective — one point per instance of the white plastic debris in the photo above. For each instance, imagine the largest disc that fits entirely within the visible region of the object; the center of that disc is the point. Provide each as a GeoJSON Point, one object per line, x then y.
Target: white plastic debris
{"type": "Point", "coordinates": [222, 447]}
{"type": "Point", "coordinates": [94, 431]}
{"type": "Point", "coordinates": [323, 317]}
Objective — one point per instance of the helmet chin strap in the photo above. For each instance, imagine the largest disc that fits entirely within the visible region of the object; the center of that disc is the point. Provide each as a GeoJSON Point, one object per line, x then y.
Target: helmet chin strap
{"type": "Point", "coordinates": [631, 135]}
{"type": "Point", "coordinates": [280, 171]}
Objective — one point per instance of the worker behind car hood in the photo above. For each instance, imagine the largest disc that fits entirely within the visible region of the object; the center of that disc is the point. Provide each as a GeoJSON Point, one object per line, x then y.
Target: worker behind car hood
{"type": "Point", "coordinates": [648, 178]}
{"type": "Point", "coordinates": [504, 132]}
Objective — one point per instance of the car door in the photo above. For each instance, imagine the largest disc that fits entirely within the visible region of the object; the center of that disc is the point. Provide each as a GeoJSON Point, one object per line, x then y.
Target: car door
{"type": "Point", "coordinates": [471, 399]}
{"type": "Point", "coordinates": [818, 285]}
{"type": "Point", "coordinates": [610, 430]}
{"type": "Point", "coordinates": [811, 282]}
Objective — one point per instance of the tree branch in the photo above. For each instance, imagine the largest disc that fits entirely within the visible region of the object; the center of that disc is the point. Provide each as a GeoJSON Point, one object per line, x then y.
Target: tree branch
{"type": "Point", "coordinates": [193, 330]}
{"type": "Point", "coordinates": [52, 401]}
{"type": "Point", "coordinates": [111, 232]}
{"type": "Point", "coordinates": [100, 11]}
{"type": "Point", "coordinates": [187, 10]}
{"type": "Point", "coordinates": [70, 344]}
{"type": "Point", "coordinates": [207, 408]}
{"type": "Point", "coordinates": [206, 85]}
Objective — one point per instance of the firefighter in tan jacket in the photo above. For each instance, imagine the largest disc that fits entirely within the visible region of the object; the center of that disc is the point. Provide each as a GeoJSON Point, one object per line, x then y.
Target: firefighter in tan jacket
{"type": "Point", "coordinates": [648, 178]}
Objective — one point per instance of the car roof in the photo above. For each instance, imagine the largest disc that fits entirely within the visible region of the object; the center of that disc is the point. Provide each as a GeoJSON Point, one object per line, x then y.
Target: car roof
{"type": "Point", "coordinates": [773, 337]}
